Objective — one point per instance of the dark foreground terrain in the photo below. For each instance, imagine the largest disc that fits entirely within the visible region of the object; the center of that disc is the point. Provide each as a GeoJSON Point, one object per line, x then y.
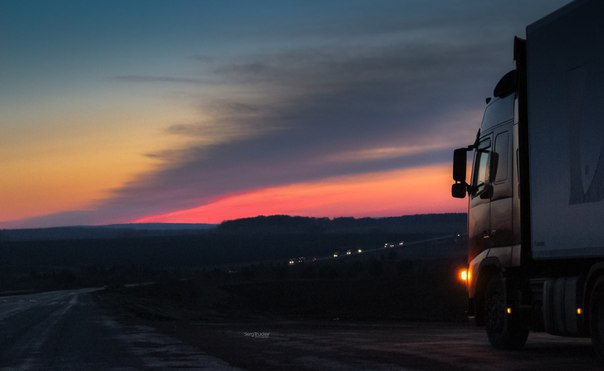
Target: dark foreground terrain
{"type": "Point", "coordinates": [411, 318]}
{"type": "Point", "coordinates": [354, 345]}
{"type": "Point", "coordinates": [380, 304]}
{"type": "Point", "coordinates": [81, 329]}
{"type": "Point", "coordinates": [67, 330]}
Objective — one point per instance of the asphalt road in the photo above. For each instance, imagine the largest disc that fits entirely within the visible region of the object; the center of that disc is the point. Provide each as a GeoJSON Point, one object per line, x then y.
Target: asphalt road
{"type": "Point", "coordinates": [335, 345]}
{"type": "Point", "coordinates": [63, 330]}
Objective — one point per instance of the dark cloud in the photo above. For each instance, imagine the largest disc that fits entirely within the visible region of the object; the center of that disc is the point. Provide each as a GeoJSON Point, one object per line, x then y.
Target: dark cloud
{"type": "Point", "coordinates": [292, 114]}
{"type": "Point", "coordinates": [229, 107]}
{"type": "Point", "coordinates": [398, 95]}
{"type": "Point", "coordinates": [203, 58]}
{"type": "Point", "coordinates": [158, 79]}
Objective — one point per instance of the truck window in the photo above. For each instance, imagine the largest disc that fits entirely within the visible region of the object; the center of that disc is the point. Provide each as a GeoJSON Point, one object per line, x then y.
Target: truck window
{"type": "Point", "coordinates": [502, 143]}
{"type": "Point", "coordinates": [500, 110]}
{"type": "Point", "coordinates": [481, 166]}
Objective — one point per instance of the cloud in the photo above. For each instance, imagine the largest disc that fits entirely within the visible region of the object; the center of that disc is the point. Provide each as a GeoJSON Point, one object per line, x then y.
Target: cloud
{"type": "Point", "coordinates": [375, 95]}
{"type": "Point", "coordinates": [226, 121]}
{"type": "Point", "coordinates": [381, 153]}
{"type": "Point", "coordinates": [203, 58]}
{"type": "Point", "coordinates": [337, 103]}
{"type": "Point", "coordinates": [158, 79]}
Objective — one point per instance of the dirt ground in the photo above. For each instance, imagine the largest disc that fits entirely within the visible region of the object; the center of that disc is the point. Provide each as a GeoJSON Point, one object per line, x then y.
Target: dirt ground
{"type": "Point", "coordinates": [291, 325]}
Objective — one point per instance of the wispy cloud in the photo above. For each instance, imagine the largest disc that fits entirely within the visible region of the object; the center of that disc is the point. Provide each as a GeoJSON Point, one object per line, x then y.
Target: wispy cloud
{"type": "Point", "coordinates": [159, 79]}
{"type": "Point", "coordinates": [382, 93]}
{"type": "Point", "coordinates": [381, 153]}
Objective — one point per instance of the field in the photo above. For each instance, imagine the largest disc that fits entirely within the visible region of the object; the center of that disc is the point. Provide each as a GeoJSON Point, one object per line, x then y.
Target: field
{"type": "Point", "coordinates": [380, 287]}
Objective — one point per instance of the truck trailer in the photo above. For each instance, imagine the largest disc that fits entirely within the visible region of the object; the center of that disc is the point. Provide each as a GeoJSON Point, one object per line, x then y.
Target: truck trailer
{"type": "Point", "coordinates": [536, 188]}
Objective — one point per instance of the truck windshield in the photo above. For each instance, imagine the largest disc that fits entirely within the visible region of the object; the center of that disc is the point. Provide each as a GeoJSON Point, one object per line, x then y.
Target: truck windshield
{"type": "Point", "coordinates": [498, 111]}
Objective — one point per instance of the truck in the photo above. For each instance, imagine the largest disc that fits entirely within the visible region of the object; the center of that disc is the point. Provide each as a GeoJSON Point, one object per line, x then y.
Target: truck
{"type": "Point", "coordinates": [536, 186]}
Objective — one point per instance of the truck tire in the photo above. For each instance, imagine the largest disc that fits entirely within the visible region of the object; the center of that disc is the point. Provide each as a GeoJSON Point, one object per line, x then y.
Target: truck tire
{"type": "Point", "coordinates": [504, 331]}
{"type": "Point", "coordinates": [596, 318]}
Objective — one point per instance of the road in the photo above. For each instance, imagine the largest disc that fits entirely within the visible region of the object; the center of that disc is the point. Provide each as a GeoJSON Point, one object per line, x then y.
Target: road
{"type": "Point", "coordinates": [64, 330]}
{"type": "Point", "coordinates": [336, 345]}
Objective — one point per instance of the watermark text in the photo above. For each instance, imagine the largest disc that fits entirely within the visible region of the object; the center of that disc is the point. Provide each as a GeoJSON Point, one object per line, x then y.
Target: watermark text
{"type": "Point", "coordinates": [257, 335]}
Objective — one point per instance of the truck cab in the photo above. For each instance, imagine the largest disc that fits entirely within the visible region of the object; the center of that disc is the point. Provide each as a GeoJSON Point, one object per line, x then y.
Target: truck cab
{"type": "Point", "coordinates": [536, 187]}
{"type": "Point", "coordinates": [494, 205]}
{"type": "Point", "coordinates": [493, 189]}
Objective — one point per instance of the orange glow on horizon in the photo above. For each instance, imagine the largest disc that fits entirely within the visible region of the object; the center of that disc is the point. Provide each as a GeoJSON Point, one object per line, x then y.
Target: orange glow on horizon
{"type": "Point", "coordinates": [400, 192]}
{"type": "Point", "coordinates": [76, 159]}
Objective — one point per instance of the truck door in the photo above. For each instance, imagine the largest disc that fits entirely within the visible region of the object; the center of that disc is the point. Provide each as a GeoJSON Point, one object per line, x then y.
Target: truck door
{"type": "Point", "coordinates": [501, 233]}
{"type": "Point", "coordinates": [479, 212]}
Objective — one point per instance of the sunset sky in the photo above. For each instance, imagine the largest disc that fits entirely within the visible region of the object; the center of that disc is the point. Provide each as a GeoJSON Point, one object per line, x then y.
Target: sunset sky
{"type": "Point", "coordinates": [203, 111]}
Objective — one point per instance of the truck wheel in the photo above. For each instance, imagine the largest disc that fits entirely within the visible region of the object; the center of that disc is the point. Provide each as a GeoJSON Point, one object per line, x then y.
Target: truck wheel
{"type": "Point", "coordinates": [596, 318]}
{"type": "Point", "coordinates": [504, 331]}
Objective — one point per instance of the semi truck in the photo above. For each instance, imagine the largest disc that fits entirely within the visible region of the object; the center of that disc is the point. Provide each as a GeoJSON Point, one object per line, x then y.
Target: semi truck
{"type": "Point", "coordinates": [536, 186]}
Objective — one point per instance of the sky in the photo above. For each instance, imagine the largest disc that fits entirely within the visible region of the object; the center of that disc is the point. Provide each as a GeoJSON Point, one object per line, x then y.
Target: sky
{"type": "Point", "coordinates": [203, 111]}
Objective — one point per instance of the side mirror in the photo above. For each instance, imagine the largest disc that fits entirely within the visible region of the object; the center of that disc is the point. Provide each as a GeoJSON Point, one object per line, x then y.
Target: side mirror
{"type": "Point", "coordinates": [458, 190]}
{"type": "Point", "coordinates": [459, 165]}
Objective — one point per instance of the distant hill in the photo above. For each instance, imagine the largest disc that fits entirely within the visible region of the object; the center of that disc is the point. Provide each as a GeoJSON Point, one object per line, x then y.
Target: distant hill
{"type": "Point", "coordinates": [103, 232]}
{"type": "Point", "coordinates": [163, 226]}
{"type": "Point", "coordinates": [275, 224]}
{"type": "Point", "coordinates": [34, 257]}
{"type": "Point", "coordinates": [426, 223]}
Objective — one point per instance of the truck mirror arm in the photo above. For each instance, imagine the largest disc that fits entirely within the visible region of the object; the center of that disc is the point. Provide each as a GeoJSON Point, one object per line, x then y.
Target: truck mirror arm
{"type": "Point", "coordinates": [476, 142]}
